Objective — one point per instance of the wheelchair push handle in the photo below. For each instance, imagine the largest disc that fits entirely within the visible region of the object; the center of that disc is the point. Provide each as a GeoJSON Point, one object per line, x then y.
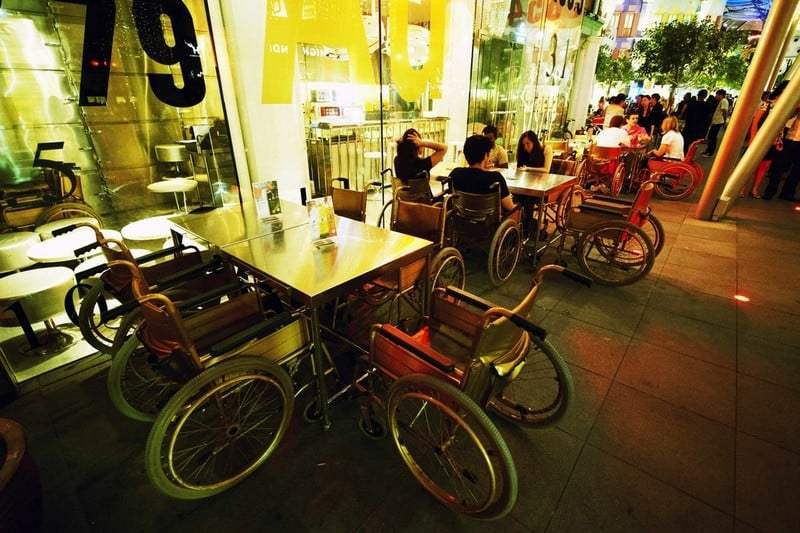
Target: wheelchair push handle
{"type": "Point", "coordinates": [519, 321]}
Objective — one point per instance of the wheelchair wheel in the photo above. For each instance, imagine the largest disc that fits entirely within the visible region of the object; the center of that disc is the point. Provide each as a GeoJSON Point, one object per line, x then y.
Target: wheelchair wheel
{"type": "Point", "coordinates": [615, 253]}
{"type": "Point", "coordinates": [653, 228]}
{"type": "Point", "coordinates": [581, 172]}
{"type": "Point", "coordinates": [617, 180]}
{"type": "Point", "coordinates": [451, 447]}
{"type": "Point", "coordinates": [219, 427]}
{"type": "Point", "coordinates": [504, 252]}
{"type": "Point", "coordinates": [68, 210]}
{"type": "Point", "coordinates": [137, 388]}
{"type": "Point", "coordinates": [95, 330]}
{"type": "Point", "coordinates": [447, 269]}
{"type": "Point", "coordinates": [675, 182]}
{"type": "Point", "coordinates": [539, 391]}
{"type": "Point", "coordinates": [385, 220]}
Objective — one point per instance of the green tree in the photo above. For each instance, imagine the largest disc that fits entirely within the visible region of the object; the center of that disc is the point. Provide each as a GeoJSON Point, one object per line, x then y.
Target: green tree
{"type": "Point", "coordinates": [612, 71]}
{"type": "Point", "coordinates": [688, 52]}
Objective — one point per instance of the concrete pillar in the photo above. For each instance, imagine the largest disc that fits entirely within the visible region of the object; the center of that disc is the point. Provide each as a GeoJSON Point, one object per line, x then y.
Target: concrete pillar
{"type": "Point", "coordinates": [583, 81]}
{"type": "Point", "coordinates": [775, 28]}
{"type": "Point", "coordinates": [784, 108]}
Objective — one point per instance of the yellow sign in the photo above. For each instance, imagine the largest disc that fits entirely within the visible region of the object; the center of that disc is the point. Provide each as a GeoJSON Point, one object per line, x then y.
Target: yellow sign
{"type": "Point", "coordinates": [339, 24]}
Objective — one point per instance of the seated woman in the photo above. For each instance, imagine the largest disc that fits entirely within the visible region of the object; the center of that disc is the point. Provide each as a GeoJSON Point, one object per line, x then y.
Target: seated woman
{"type": "Point", "coordinates": [409, 162]}
{"type": "Point", "coordinates": [614, 135]}
{"type": "Point", "coordinates": [637, 133]}
{"type": "Point", "coordinates": [476, 179]}
{"type": "Point", "coordinates": [672, 141]}
{"type": "Point", "coordinates": [530, 152]}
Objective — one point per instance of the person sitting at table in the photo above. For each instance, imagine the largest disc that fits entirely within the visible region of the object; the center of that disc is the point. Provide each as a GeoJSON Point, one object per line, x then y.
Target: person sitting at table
{"type": "Point", "coordinates": [613, 136]}
{"type": "Point", "coordinates": [498, 157]}
{"type": "Point", "coordinates": [672, 141]}
{"type": "Point", "coordinates": [636, 132]}
{"type": "Point", "coordinates": [408, 162]}
{"type": "Point", "coordinates": [530, 152]}
{"type": "Point", "coordinates": [476, 179]}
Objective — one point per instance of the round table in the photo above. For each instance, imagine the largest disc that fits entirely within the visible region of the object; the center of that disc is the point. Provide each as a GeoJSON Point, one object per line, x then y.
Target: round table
{"type": "Point", "coordinates": [61, 249]}
{"type": "Point", "coordinates": [100, 259]}
{"type": "Point", "coordinates": [14, 250]}
{"type": "Point", "coordinates": [147, 229]}
{"type": "Point", "coordinates": [174, 186]}
{"type": "Point", "coordinates": [45, 231]}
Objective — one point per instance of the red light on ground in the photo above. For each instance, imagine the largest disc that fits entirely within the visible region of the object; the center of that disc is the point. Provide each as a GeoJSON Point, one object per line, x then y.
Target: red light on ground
{"type": "Point", "coordinates": [741, 298]}
{"type": "Point", "coordinates": [797, 208]}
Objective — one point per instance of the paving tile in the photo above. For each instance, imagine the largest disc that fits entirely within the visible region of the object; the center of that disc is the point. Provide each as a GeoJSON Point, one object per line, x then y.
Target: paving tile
{"type": "Point", "coordinates": [769, 361]}
{"type": "Point", "coordinates": [769, 412]}
{"type": "Point", "coordinates": [682, 278]}
{"type": "Point", "coordinates": [706, 246]}
{"type": "Point", "coordinates": [62, 510]}
{"type": "Point", "coordinates": [682, 449]}
{"type": "Point", "coordinates": [697, 305]}
{"type": "Point", "coordinates": [684, 381]}
{"type": "Point", "coordinates": [761, 264]}
{"type": "Point", "coordinates": [30, 411]}
{"type": "Point", "coordinates": [772, 294]}
{"type": "Point", "coordinates": [590, 390]}
{"type": "Point", "coordinates": [767, 478]}
{"type": "Point", "coordinates": [611, 312]}
{"type": "Point", "coordinates": [588, 346]}
{"type": "Point", "coordinates": [711, 231]}
{"type": "Point", "coordinates": [760, 321]}
{"type": "Point", "coordinates": [688, 336]}
{"type": "Point", "coordinates": [711, 264]}
{"type": "Point", "coordinates": [606, 494]}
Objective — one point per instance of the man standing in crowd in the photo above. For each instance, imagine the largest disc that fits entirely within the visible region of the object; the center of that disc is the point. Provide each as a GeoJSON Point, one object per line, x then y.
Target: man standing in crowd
{"type": "Point", "coordinates": [788, 159]}
{"type": "Point", "coordinates": [697, 119]}
{"type": "Point", "coordinates": [718, 118]}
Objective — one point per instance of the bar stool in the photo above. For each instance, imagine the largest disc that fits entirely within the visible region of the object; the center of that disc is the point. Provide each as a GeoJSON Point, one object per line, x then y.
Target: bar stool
{"type": "Point", "coordinates": [38, 296]}
{"type": "Point", "coordinates": [147, 229]}
{"type": "Point", "coordinates": [45, 231]}
{"type": "Point", "coordinates": [14, 250]}
{"type": "Point", "coordinates": [174, 186]}
{"type": "Point", "coordinates": [61, 249]}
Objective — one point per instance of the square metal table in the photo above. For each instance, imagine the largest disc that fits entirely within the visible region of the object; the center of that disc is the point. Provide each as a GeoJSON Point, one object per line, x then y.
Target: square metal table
{"type": "Point", "coordinates": [534, 187]}
{"type": "Point", "coordinates": [314, 275]}
{"type": "Point", "coordinates": [229, 225]}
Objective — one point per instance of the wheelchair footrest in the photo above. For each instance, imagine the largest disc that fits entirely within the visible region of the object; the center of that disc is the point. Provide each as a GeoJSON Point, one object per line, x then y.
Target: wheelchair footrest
{"type": "Point", "coordinates": [253, 332]}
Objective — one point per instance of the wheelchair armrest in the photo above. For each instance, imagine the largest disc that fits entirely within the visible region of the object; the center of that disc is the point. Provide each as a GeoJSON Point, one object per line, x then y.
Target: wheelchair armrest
{"type": "Point", "coordinates": [253, 332]}
{"type": "Point", "coordinates": [164, 253]}
{"type": "Point", "coordinates": [469, 298]}
{"type": "Point", "coordinates": [520, 322]}
{"type": "Point", "coordinates": [182, 275]}
{"type": "Point", "coordinates": [420, 350]}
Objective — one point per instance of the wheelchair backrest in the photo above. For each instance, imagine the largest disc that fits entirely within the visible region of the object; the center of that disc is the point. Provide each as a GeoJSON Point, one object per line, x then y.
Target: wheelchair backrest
{"type": "Point", "coordinates": [692, 151]}
{"type": "Point", "coordinates": [477, 207]}
{"type": "Point", "coordinates": [604, 153]}
{"type": "Point", "coordinates": [641, 204]}
{"type": "Point", "coordinates": [420, 220]}
{"type": "Point", "coordinates": [350, 204]}
{"type": "Point", "coordinates": [499, 335]}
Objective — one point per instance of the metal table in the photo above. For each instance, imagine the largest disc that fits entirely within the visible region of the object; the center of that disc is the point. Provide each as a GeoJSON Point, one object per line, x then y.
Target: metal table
{"type": "Point", "coordinates": [315, 275]}
{"type": "Point", "coordinates": [533, 188]}
{"type": "Point", "coordinates": [229, 225]}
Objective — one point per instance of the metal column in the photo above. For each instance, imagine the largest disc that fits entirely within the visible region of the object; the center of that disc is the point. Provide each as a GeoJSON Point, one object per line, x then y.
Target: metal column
{"type": "Point", "coordinates": [778, 22]}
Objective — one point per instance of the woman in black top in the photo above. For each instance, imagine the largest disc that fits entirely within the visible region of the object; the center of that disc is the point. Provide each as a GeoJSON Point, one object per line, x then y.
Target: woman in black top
{"type": "Point", "coordinates": [409, 161]}
{"type": "Point", "coordinates": [529, 151]}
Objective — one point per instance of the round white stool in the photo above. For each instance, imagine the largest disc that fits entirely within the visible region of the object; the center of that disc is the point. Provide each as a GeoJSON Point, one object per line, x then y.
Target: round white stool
{"type": "Point", "coordinates": [174, 186]}
{"type": "Point", "coordinates": [14, 250]}
{"type": "Point", "coordinates": [61, 249]}
{"type": "Point", "coordinates": [147, 229]}
{"type": "Point", "coordinates": [45, 231]}
{"type": "Point", "coordinates": [39, 296]}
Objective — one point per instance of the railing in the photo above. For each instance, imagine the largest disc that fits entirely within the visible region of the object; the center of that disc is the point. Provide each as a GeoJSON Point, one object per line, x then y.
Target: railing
{"type": "Point", "coordinates": [354, 150]}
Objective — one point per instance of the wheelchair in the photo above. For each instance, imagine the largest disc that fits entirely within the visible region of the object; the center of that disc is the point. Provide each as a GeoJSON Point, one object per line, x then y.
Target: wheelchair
{"type": "Point", "coordinates": [430, 390]}
{"type": "Point", "coordinates": [105, 300]}
{"type": "Point", "coordinates": [677, 178]}
{"type": "Point", "coordinates": [416, 190]}
{"type": "Point", "coordinates": [226, 397]}
{"type": "Point", "coordinates": [477, 219]}
{"type": "Point", "coordinates": [602, 169]}
{"type": "Point", "coordinates": [610, 236]}
{"type": "Point", "coordinates": [446, 266]}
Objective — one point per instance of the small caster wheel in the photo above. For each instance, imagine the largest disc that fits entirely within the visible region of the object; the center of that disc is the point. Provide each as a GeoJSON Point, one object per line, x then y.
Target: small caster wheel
{"type": "Point", "coordinates": [311, 412]}
{"type": "Point", "coordinates": [372, 428]}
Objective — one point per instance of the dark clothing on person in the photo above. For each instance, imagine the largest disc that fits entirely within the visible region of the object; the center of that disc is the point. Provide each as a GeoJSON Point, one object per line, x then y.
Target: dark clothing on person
{"type": "Point", "coordinates": [535, 159]}
{"type": "Point", "coordinates": [657, 116]}
{"type": "Point", "coordinates": [786, 159]}
{"type": "Point", "coordinates": [713, 135]}
{"type": "Point", "coordinates": [406, 169]}
{"type": "Point", "coordinates": [698, 119]}
{"type": "Point", "coordinates": [477, 181]}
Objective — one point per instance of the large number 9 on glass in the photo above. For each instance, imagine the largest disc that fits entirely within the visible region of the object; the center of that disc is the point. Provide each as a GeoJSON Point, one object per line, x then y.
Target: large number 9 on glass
{"type": "Point", "coordinates": [185, 52]}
